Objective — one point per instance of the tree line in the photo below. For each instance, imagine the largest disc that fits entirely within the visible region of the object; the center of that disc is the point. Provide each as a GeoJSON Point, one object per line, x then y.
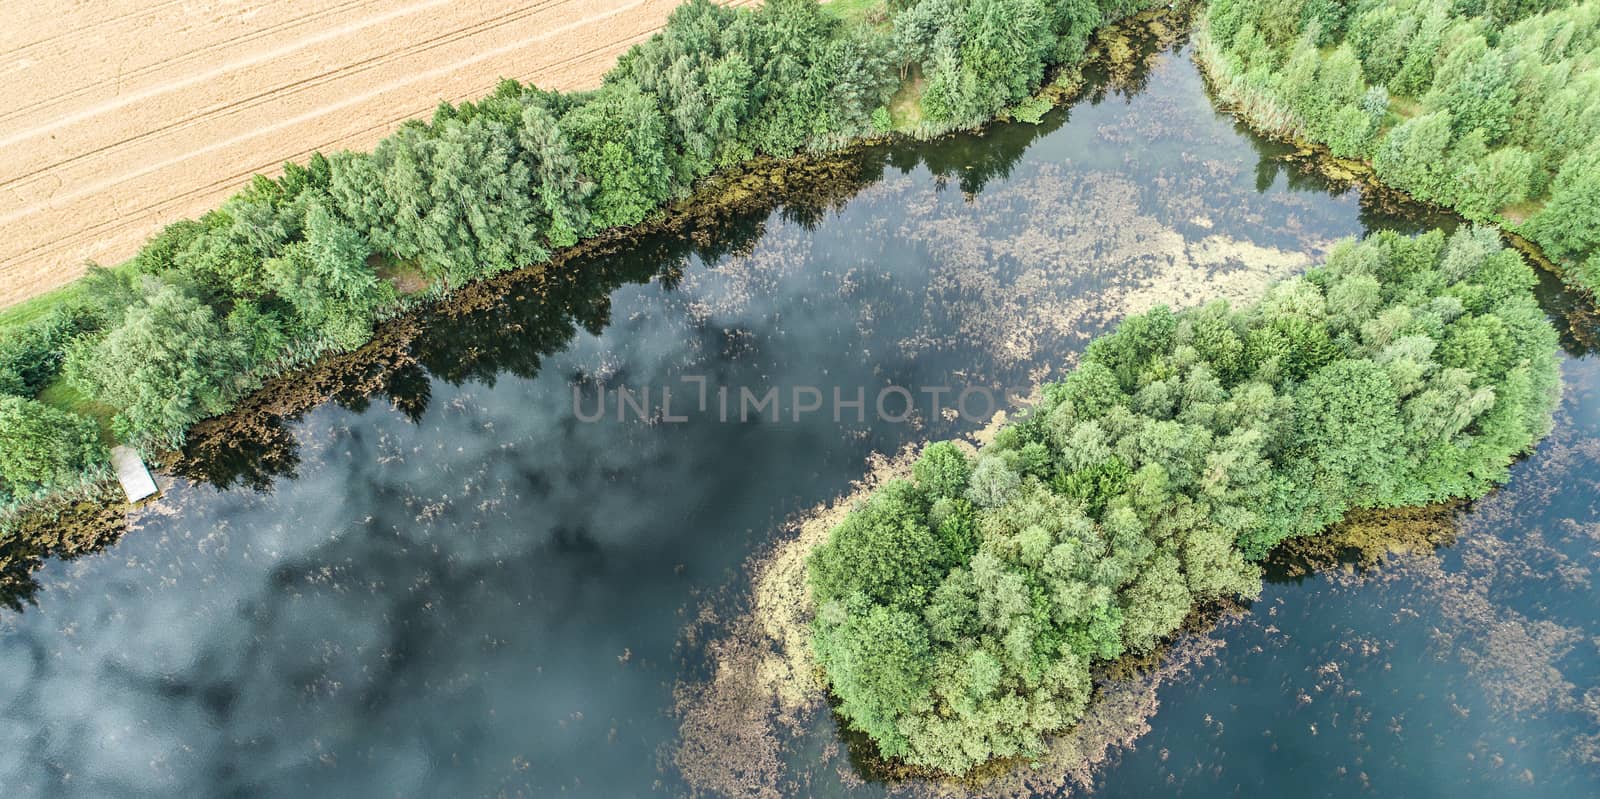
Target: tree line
{"type": "Point", "coordinates": [1489, 107]}
{"type": "Point", "coordinates": [306, 264]}
{"type": "Point", "coordinates": [960, 612]}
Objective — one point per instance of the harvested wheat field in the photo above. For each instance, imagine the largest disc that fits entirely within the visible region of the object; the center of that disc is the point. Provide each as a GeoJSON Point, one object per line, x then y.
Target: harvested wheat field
{"type": "Point", "coordinates": [121, 116]}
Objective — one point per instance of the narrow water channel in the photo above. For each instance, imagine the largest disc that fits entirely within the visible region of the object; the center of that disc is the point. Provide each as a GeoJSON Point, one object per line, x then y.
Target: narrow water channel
{"type": "Point", "coordinates": [459, 586]}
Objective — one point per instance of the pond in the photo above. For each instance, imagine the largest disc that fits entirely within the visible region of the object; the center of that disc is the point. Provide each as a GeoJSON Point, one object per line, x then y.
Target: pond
{"type": "Point", "coordinates": [463, 585]}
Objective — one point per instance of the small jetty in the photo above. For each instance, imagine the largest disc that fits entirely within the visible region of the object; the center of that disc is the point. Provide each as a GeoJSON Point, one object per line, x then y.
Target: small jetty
{"type": "Point", "coordinates": [133, 475]}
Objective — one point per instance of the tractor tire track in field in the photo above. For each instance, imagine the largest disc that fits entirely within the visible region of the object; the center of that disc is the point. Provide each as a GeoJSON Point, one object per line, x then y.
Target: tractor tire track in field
{"type": "Point", "coordinates": [122, 116]}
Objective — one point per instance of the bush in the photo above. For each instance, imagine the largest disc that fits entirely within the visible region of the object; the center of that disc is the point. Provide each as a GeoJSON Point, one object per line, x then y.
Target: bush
{"type": "Point", "coordinates": [31, 355]}
{"type": "Point", "coordinates": [326, 279]}
{"type": "Point", "coordinates": [168, 365]}
{"type": "Point", "coordinates": [1566, 228]}
{"type": "Point", "coordinates": [43, 448]}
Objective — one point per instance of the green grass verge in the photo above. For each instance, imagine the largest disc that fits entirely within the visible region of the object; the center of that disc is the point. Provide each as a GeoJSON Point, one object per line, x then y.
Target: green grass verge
{"type": "Point", "coordinates": [905, 108]}
{"type": "Point", "coordinates": [870, 13]}
{"type": "Point", "coordinates": [35, 308]}
{"type": "Point", "coordinates": [61, 395]}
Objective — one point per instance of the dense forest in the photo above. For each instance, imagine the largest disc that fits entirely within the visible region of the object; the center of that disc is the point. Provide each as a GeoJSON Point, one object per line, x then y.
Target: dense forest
{"type": "Point", "coordinates": [1489, 107]}
{"type": "Point", "coordinates": [306, 264]}
{"type": "Point", "coordinates": [960, 612]}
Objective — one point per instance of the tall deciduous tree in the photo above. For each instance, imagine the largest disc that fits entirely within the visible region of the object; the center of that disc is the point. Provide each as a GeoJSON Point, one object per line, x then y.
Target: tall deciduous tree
{"type": "Point", "coordinates": [166, 366]}
{"type": "Point", "coordinates": [43, 448]}
{"type": "Point", "coordinates": [328, 282]}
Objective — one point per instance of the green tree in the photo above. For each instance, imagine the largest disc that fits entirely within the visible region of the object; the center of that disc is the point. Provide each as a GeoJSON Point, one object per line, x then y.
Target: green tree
{"type": "Point", "coordinates": [219, 261]}
{"type": "Point", "coordinates": [1380, 37]}
{"type": "Point", "coordinates": [481, 216]}
{"type": "Point", "coordinates": [1348, 432]}
{"type": "Point", "coordinates": [1297, 83]}
{"type": "Point", "coordinates": [1502, 177]}
{"type": "Point", "coordinates": [327, 280]}
{"type": "Point", "coordinates": [1339, 79]}
{"type": "Point", "coordinates": [1327, 17]}
{"type": "Point", "coordinates": [1478, 92]}
{"type": "Point", "coordinates": [620, 139]}
{"type": "Point", "coordinates": [1155, 604]}
{"type": "Point", "coordinates": [31, 354]}
{"type": "Point", "coordinates": [1417, 67]}
{"type": "Point", "coordinates": [883, 551]}
{"type": "Point", "coordinates": [878, 664]}
{"type": "Point", "coordinates": [561, 192]}
{"type": "Point", "coordinates": [1566, 227]}
{"type": "Point", "coordinates": [360, 195]}
{"type": "Point", "coordinates": [942, 471]}
{"type": "Point", "coordinates": [1413, 156]}
{"type": "Point", "coordinates": [987, 55]}
{"type": "Point", "coordinates": [387, 195]}
{"type": "Point", "coordinates": [166, 366]}
{"type": "Point", "coordinates": [1225, 19]}
{"type": "Point", "coordinates": [1074, 22]}
{"type": "Point", "coordinates": [44, 448]}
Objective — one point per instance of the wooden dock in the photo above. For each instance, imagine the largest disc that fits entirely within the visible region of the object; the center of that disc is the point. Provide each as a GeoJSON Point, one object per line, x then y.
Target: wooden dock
{"type": "Point", "coordinates": [131, 472]}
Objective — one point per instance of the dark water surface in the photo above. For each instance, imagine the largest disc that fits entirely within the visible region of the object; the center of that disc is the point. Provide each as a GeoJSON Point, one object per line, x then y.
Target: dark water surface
{"type": "Point", "coordinates": [461, 589]}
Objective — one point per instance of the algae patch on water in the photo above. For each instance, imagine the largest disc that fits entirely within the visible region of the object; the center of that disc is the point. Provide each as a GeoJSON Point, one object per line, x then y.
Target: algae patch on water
{"type": "Point", "coordinates": [762, 695]}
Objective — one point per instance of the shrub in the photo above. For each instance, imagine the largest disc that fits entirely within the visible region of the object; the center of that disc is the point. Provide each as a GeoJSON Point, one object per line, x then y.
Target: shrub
{"type": "Point", "coordinates": [43, 448]}
{"type": "Point", "coordinates": [168, 365]}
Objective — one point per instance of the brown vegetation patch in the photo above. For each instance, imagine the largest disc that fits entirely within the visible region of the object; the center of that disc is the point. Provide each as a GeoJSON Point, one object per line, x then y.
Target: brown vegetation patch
{"type": "Point", "coordinates": [63, 526]}
{"type": "Point", "coordinates": [764, 691]}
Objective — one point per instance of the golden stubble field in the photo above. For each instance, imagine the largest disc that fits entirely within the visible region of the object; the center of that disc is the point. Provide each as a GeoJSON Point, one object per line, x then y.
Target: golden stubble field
{"type": "Point", "coordinates": [120, 116]}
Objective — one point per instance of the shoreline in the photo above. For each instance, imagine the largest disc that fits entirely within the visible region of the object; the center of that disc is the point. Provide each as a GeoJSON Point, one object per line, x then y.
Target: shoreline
{"type": "Point", "coordinates": [32, 527]}
{"type": "Point", "coordinates": [762, 693]}
{"type": "Point", "coordinates": [1237, 102]}
{"type": "Point", "coordinates": [107, 146]}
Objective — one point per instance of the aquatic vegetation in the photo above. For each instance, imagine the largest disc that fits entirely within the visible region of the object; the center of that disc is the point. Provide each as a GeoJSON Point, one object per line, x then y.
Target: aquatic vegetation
{"type": "Point", "coordinates": [471, 568]}
{"type": "Point", "coordinates": [66, 523]}
{"type": "Point", "coordinates": [765, 695]}
{"type": "Point", "coordinates": [959, 612]}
